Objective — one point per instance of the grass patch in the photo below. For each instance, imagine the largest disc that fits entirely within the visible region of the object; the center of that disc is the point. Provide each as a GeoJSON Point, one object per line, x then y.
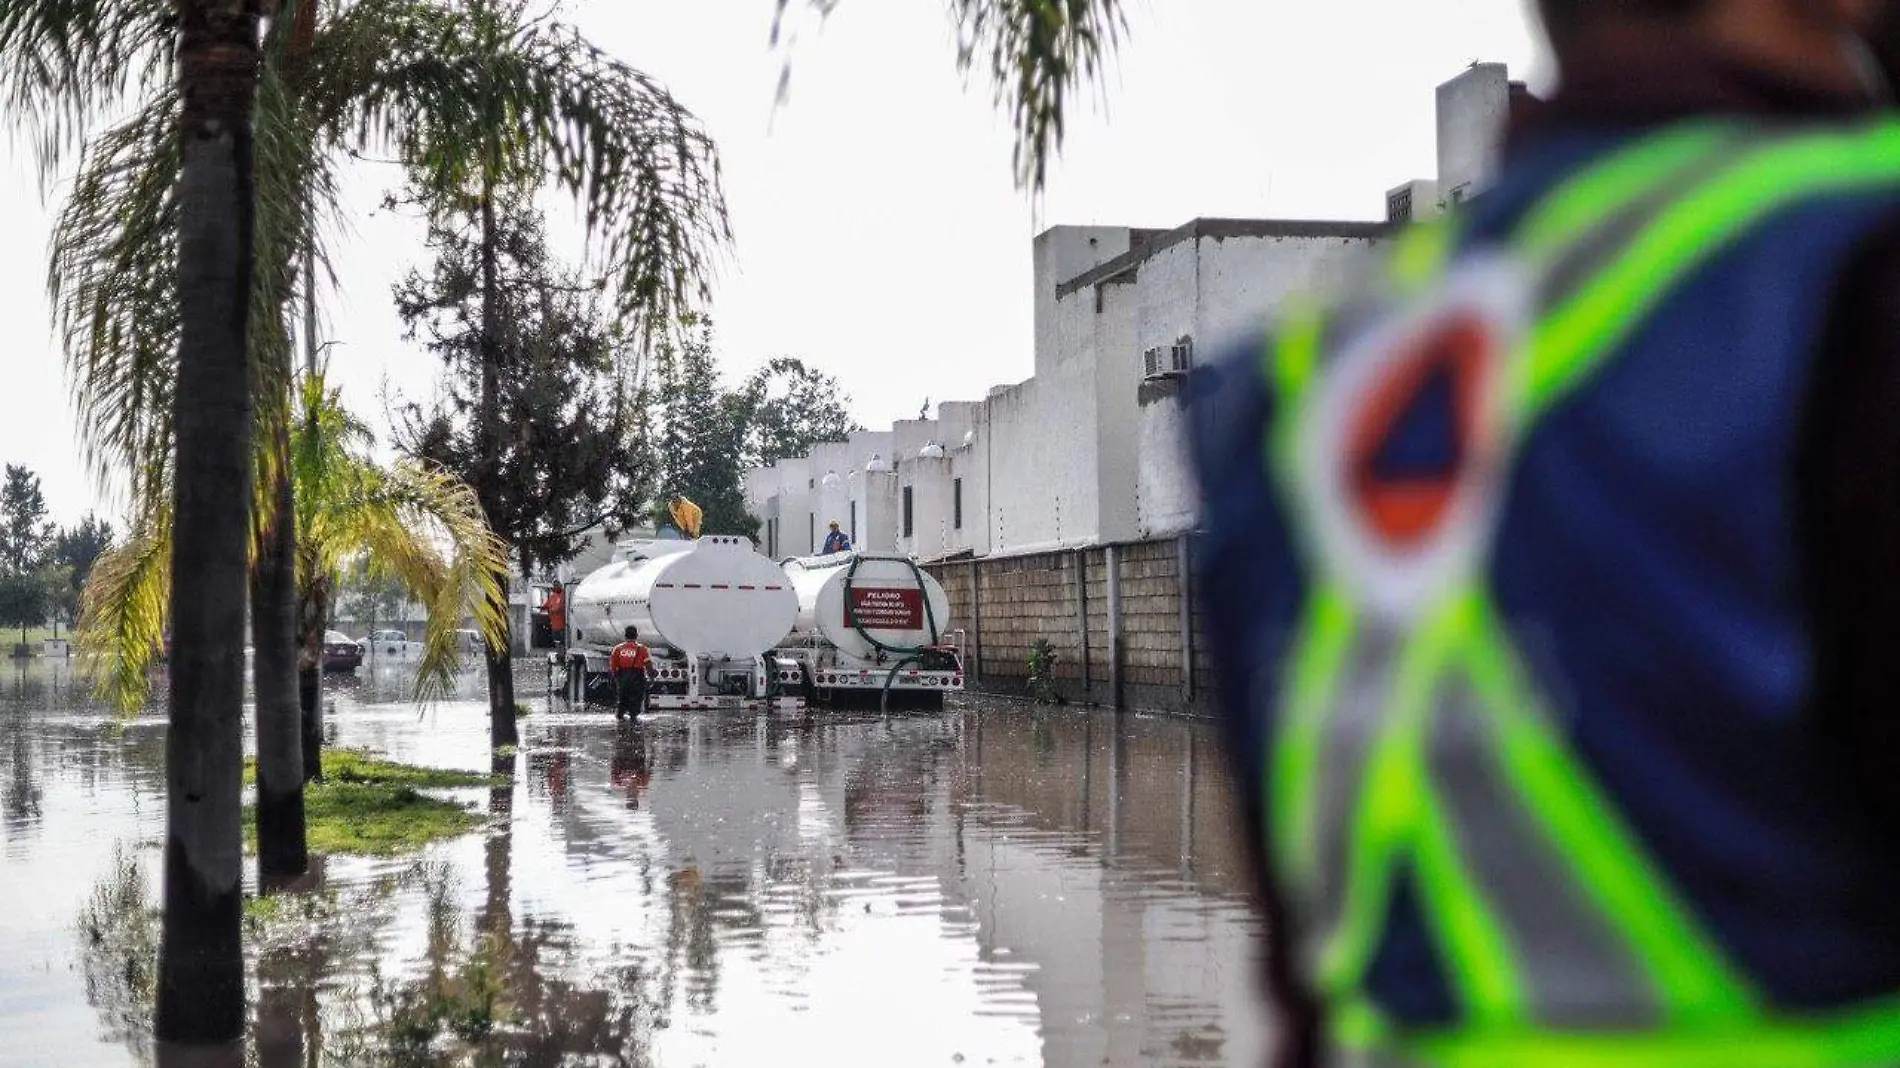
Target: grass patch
{"type": "Point", "coordinates": [361, 766]}
{"type": "Point", "coordinates": [523, 710]}
{"type": "Point", "coordinates": [366, 805]}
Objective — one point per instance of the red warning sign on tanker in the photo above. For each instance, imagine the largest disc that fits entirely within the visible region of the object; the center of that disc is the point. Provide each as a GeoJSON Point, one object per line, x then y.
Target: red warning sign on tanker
{"type": "Point", "coordinates": [885, 609]}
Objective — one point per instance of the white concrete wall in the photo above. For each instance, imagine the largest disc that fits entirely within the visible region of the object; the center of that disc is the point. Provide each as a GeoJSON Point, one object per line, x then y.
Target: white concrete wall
{"type": "Point", "coordinates": [1472, 109]}
{"type": "Point", "coordinates": [929, 482]}
{"type": "Point", "coordinates": [1062, 253]}
{"type": "Point", "coordinates": [967, 425]}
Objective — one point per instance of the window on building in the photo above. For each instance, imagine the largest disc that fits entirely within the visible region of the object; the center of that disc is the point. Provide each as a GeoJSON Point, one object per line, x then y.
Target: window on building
{"type": "Point", "coordinates": [956, 503]}
{"type": "Point", "coordinates": [854, 522]}
{"type": "Point", "coordinates": [811, 531]}
{"type": "Point", "coordinates": [907, 513]}
{"type": "Point", "coordinates": [771, 537]}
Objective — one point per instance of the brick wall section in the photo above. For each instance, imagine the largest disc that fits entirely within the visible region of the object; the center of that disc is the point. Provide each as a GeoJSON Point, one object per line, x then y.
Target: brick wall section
{"type": "Point", "coordinates": [1022, 598]}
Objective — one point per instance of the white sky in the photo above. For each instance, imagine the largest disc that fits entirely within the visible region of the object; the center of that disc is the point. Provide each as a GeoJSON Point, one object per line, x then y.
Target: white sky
{"type": "Point", "coordinates": [878, 234]}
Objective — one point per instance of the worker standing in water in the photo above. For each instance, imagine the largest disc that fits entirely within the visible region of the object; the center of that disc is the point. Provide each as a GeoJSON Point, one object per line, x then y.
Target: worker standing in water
{"type": "Point", "coordinates": [837, 541]}
{"type": "Point", "coordinates": [1552, 575]}
{"type": "Point", "coordinates": [630, 663]}
{"type": "Point", "coordinates": [556, 608]}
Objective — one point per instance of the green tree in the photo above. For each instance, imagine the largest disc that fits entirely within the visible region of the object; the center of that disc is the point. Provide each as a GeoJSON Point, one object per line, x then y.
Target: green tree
{"type": "Point", "coordinates": [56, 580]}
{"type": "Point", "coordinates": [77, 548]}
{"type": "Point", "coordinates": [22, 602]}
{"type": "Point", "coordinates": [25, 534]}
{"type": "Point", "coordinates": [701, 431]}
{"type": "Point", "coordinates": [537, 404]}
{"type": "Point", "coordinates": [790, 408]}
{"type": "Point", "coordinates": [370, 597]}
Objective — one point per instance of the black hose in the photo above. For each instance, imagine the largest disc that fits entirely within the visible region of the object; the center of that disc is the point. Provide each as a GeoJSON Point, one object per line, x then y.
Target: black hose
{"type": "Point", "coordinates": [930, 613]}
{"type": "Point", "coordinates": [884, 700]}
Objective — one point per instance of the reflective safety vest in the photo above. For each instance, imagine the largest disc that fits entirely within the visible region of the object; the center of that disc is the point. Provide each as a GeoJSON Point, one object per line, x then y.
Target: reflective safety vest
{"type": "Point", "coordinates": [1535, 730]}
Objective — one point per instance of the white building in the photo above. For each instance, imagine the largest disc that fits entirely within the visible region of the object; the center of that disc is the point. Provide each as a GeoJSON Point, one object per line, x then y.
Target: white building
{"type": "Point", "coordinates": [1089, 449]}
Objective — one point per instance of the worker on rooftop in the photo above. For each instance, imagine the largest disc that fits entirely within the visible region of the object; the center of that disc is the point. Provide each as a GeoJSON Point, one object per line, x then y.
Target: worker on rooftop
{"type": "Point", "coordinates": [837, 541]}
{"type": "Point", "coordinates": [1553, 580]}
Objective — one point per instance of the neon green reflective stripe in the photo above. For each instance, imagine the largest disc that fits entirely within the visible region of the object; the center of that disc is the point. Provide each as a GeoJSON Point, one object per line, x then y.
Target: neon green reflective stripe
{"type": "Point", "coordinates": [1313, 684]}
{"type": "Point", "coordinates": [1474, 943]}
{"type": "Point", "coordinates": [1388, 812]}
{"type": "Point", "coordinates": [1686, 966]}
{"type": "Point", "coordinates": [1421, 252]}
{"type": "Point", "coordinates": [1290, 365]}
{"type": "Point", "coordinates": [1867, 1038]}
{"type": "Point", "coordinates": [1476, 950]}
{"type": "Point", "coordinates": [1580, 206]}
{"type": "Point", "coordinates": [1572, 339]}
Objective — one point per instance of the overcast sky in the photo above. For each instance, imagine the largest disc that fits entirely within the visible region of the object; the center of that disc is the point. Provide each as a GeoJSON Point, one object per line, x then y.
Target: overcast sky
{"type": "Point", "coordinates": [878, 234]}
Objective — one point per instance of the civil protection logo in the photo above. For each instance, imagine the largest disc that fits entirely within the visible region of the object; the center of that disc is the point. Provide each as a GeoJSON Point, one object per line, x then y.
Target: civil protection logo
{"type": "Point", "coordinates": [1404, 452]}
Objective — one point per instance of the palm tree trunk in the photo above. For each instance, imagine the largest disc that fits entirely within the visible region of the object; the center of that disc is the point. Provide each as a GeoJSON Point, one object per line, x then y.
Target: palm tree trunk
{"type": "Point", "coordinates": [282, 850]}
{"type": "Point", "coordinates": [201, 960]}
{"type": "Point", "coordinates": [313, 618]}
{"type": "Point", "coordinates": [501, 674]}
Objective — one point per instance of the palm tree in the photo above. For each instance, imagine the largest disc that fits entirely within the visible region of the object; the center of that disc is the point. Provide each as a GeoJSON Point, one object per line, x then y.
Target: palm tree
{"type": "Point", "coordinates": [412, 521]}
{"type": "Point", "coordinates": [59, 61]}
{"type": "Point", "coordinates": [459, 91]}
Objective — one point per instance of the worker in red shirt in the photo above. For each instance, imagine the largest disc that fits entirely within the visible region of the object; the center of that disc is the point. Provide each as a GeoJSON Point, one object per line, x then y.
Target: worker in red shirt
{"type": "Point", "coordinates": [630, 663]}
{"type": "Point", "coordinates": [556, 606]}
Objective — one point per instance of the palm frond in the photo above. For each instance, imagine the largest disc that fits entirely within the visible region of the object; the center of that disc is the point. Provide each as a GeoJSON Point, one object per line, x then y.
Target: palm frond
{"type": "Point", "coordinates": [414, 522]}
{"type": "Point", "coordinates": [476, 89]}
{"type": "Point", "coordinates": [114, 285]}
{"type": "Point", "coordinates": [1036, 53]}
{"type": "Point", "coordinates": [123, 611]}
{"type": "Point", "coordinates": [65, 62]}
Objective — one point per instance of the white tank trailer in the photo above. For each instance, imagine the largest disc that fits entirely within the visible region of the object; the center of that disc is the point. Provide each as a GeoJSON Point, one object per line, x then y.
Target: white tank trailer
{"type": "Point", "coordinates": [712, 610]}
{"type": "Point", "coordinates": [871, 624]}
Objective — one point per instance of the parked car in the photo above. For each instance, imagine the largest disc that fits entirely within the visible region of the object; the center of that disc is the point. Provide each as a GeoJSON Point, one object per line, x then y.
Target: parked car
{"type": "Point", "coordinates": [469, 642]}
{"type": "Point", "coordinates": [340, 652]}
{"type": "Point", "coordinates": [391, 643]}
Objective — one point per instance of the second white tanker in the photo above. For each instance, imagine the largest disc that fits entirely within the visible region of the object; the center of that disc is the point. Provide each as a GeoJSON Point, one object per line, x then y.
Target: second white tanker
{"type": "Point", "coordinates": [871, 624]}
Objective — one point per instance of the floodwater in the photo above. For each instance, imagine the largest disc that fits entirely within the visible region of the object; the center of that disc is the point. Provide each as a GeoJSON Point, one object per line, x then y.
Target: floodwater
{"type": "Point", "coordinates": [988, 885]}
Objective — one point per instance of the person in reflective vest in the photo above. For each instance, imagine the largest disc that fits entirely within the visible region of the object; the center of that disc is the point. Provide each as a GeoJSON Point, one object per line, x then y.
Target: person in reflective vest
{"type": "Point", "coordinates": [556, 607]}
{"type": "Point", "coordinates": [630, 663]}
{"type": "Point", "coordinates": [1551, 570]}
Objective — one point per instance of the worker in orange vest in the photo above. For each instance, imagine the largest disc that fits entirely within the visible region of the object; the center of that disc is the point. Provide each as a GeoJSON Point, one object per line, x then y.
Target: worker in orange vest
{"type": "Point", "coordinates": [556, 606]}
{"type": "Point", "coordinates": [630, 663]}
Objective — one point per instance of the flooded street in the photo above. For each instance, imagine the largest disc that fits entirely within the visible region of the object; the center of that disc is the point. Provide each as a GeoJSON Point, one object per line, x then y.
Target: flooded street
{"type": "Point", "coordinates": [991, 885]}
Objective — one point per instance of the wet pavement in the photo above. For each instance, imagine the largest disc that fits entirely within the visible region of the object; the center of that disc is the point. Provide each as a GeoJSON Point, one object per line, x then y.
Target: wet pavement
{"type": "Point", "coordinates": [988, 885]}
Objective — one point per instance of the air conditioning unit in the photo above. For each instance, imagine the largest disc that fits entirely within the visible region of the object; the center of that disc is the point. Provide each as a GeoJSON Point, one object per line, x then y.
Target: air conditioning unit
{"type": "Point", "coordinates": [1168, 361]}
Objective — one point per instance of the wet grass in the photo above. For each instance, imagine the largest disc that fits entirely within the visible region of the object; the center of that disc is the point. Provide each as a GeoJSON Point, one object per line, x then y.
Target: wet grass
{"type": "Point", "coordinates": [362, 766]}
{"type": "Point", "coordinates": [370, 806]}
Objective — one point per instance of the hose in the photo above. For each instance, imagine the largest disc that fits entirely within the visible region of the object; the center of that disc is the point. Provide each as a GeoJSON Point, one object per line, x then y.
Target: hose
{"type": "Point", "coordinates": [884, 699]}
{"type": "Point", "coordinates": [930, 613]}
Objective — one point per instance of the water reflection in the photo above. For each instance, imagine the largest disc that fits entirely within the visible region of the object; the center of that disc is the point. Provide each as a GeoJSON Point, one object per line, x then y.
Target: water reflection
{"type": "Point", "coordinates": [990, 885]}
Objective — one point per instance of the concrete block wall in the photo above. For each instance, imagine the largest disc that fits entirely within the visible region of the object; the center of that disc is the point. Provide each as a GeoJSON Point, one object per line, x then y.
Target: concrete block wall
{"type": "Point", "coordinates": [1004, 604]}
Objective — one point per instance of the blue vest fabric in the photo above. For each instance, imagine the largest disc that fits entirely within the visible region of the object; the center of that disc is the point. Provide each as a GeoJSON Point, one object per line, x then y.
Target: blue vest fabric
{"type": "Point", "coordinates": [1647, 566]}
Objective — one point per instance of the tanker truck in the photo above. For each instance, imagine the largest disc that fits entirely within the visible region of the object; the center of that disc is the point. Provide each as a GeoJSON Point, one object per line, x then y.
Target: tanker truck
{"type": "Point", "coordinates": [711, 610]}
{"type": "Point", "coordinates": [871, 627]}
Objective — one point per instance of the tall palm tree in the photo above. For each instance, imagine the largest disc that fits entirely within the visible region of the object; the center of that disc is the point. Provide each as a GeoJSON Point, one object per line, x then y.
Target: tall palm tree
{"type": "Point", "coordinates": [60, 60]}
{"type": "Point", "coordinates": [412, 521]}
